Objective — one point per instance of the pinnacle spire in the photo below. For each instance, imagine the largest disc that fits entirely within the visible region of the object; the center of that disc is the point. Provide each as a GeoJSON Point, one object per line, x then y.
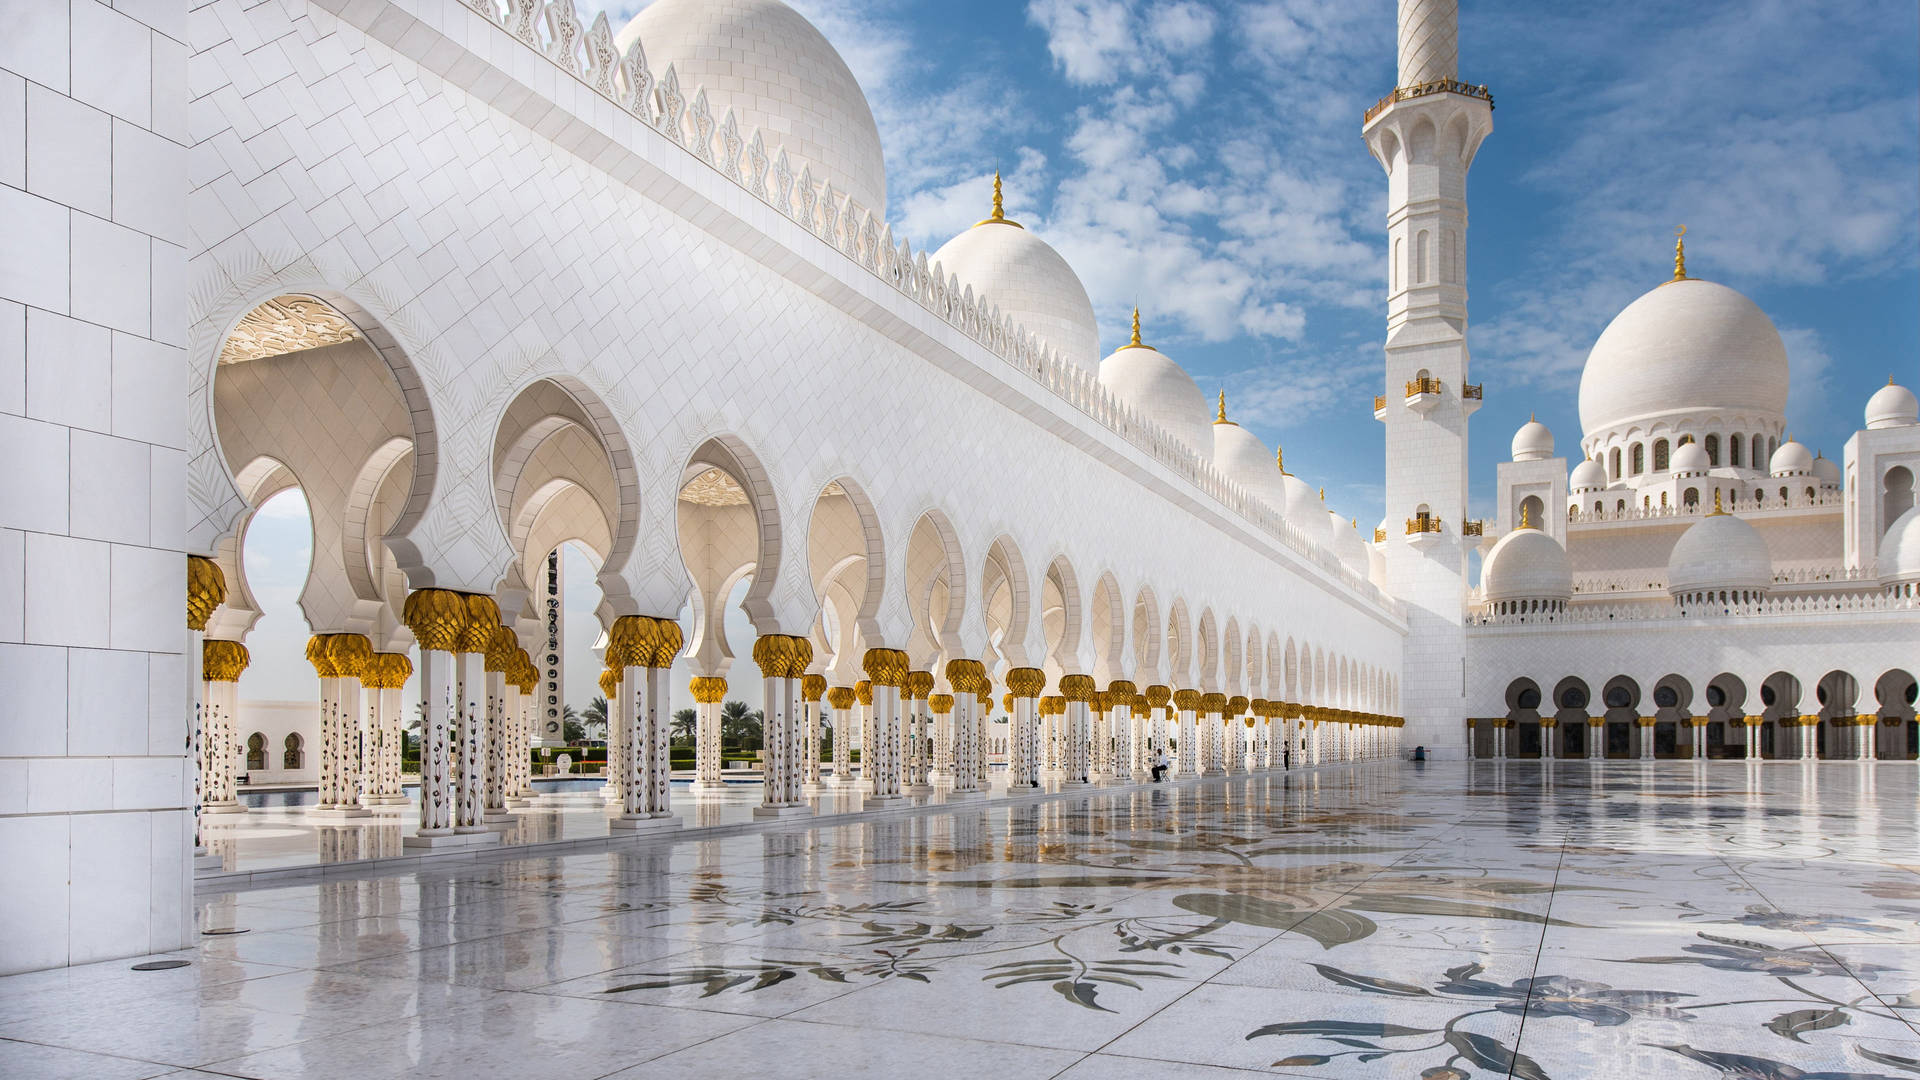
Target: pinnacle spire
{"type": "Point", "coordinates": [1280, 461]}
{"type": "Point", "coordinates": [1718, 511]}
{"type": "Point", "coordinates": [999, 208]}
{"type": "Point", "coordinates": [1221, 416]}
{"type": "Point", "coordinates": [1136, 343]}
{"type": "Point", "coordinates": [1680, 254]}
{"type": "Point", "coordinates": [1526, 515]}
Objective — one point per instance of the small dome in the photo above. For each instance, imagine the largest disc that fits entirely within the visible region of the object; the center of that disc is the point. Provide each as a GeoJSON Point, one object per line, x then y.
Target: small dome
{"type": "Point", "coordinates": [1526, 564]}
{"type": "Point", "coordinates": [1690, 458]}
{"type": "Point", "coordinates": [1246, 460]}
{"type": "Point", "coordinates": [1589, 475]}
{"type": "Point", "coordinates": [1347, 545]}
{"type": "Point", "coordinates": [1306, 510]}
{"type": "Point", "coordinates": [765, 61]}
{"type": "Point", "coordinates": [1792, 459]}
{"type": "Point", "coordinates": [1719, 551]}
{"type": "Point", "coordinates": [1533, 442]}
{"type": "Point", "coordinates": [1687, 346]}
{"type": "Point", "coordinates": [1900, 548]}
{"type": "Point", "coordinates": [1827, 470]}
{"type": "Point", "coordinates": [1892, 406]}
{"type": "Point", "coordinates": [1162, 391]}
{"type": "Point", "coordinates": [1028, 281]}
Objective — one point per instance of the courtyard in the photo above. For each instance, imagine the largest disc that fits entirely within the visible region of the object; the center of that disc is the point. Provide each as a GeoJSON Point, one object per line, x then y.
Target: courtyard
{"type": "Point", "coordinates": [1443, 921]}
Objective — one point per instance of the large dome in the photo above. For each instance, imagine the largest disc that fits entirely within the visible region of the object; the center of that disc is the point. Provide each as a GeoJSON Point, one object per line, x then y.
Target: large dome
{"type": "Point", "coordinates": [1527, 564]}
{"type": "Point", "coordinates": [1688, 346]}
{"type": "Point", "coordinates": [1028, 280]}
{"type": "Point", "coordinates": [1719, 551]}
{"type": "Point", "coordinates": [1245, 459]}
{"type": "Point", "coordinates": [1162, 391]}
{"type": "Point", "coordinates": [765, 61]}
{"type": "Point", "coordinates": [1892, 405]}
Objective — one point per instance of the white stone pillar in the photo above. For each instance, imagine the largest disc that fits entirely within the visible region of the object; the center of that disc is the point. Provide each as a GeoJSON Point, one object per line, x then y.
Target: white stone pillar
{"type": "Point", "coordinates": [968, 678]}
{"type": "Point", "coordinates": [1645, 726]}
{"type": "Point", "coordinates": [840, 703]}
{"type": "Point", "coordinates": [863, 695]}
{"type": "Point", "coordinates": [339, 659]}
{"type": "Point", "coordinates": [616, 735]}
{"type": "Point", "coordinates": [438, 619]}
{"type": "Point", "coordinates": [1121, 696]}
{"type": "Point", "coordinates": [221, 663]}
{"type": "Point", "coordinates": [470, 743]}
{"type": "Point", "coordinates": [1187, 761]}
{"type": "Point", "coordinates": [504, 647]}
{"type": "Point", "coordinates": [642, 649]}
{"type": "Point", "coordinates": [812, 688]}
{"type": "Point", "coordinates": [886, 669]}
{"type": "Point", "coordinates": [709, 692]}
{"type": "Point", "coordinates": [921, 735]}
{"type": "Point", "coordinates": [1023, 732]}
{"type": "Point", "coordinates": [783, 661]}
{"type": "Point", "coordinates": [1076, 736]}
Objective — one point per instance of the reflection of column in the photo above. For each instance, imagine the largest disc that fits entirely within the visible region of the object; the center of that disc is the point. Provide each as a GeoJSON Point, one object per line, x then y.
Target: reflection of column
{"type": "Point", "coordinates": [1188, 761]}
{"type": "Point", "coordinates": [221, 662]}
{"type": "Point", "coordinates": [840, 700]}
{"type": "Point", "coordinates": [642, 648]}
{"type": "Point", "coordinates": [708, 693]}
{"type": "Point", "coordinates": [1867, 725]}
{"type": "Point", "coordinates": [206, 590]}
{"type": "Point", "coordinates": [1076, 738]}
{"type": "Point", "coordinates": [616, 734]}
{"type": "Point", "coordinates": [922, 734]}
{"type": "Point", "coordinates": [1645, 726]}
{"type": "Point", "coordinates": [1121, 695]}
{"type": "Point", "coordinates": [437, 617]}
{"type": "Point", "coordinates": [811, 689]}
{"type": "Point", "coordinates": [1596, 737]}
{"type": "Point", "coordinates": [500, 654]}
{"type": "Point", "coordinates": [886, 669]}
{"type": "Point", "coordinates": [1547, 724]}
{"type": "Point", "coordinates": [1023, 741]}
{"type": "Point", "coordinates": [783, 661]}
{"type": "Point", "coordinates": [470, 767]}
{"type": "Point", "coordinates": [1810, 737]}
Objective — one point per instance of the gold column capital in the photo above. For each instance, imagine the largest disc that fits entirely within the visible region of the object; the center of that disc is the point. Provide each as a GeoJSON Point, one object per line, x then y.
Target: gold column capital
{"type": "Point", "coordinates": [483, 614]}
{"type": "Point", "coordinates": [206, 590]}
{"type": "Point", "coordinates": [812, 686]}
{"type": "Point", "coordinates": [709, 689]}
{"type": "Point", "coordinates": [840, 697]}
{"type": "Point", "coordinates": [940, 703]}
{"type": "Point", "coordinates": [1026, 682]}
{"type": "Point", "coordinates": [437, 618]}
{"type": "Point", "coordinates": [1076, 687]}
{"type": "Point", "coordinates": [222, 661]}
{"type": "Point", "coordinates": [1158, 696]}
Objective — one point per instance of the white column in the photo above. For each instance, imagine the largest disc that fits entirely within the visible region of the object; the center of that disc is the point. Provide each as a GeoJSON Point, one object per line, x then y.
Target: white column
{"type": "Point", "coordinates": [886, 669]}
{"type": "Point", "coordinates": [1187, 761]}
{"type": "Point", "coordinates": [438, 619]}
{"type": "Point", "coordinates": [918, 737]}
{"type": "Point", "coordinates": [470, 739]}
{"type": "Point", "coordinates": [1023, 734]}
{"type": "Point", "coordinates": [840, 702]}
{"type": "Point", "coordinates": [1121, 695]}
{"type": "Point", "coordinates": [221, 663]}
{"type": "Point", "coordinates": [499, 740]}
{"type": "Point", "coordinates": [709, 692]}
{"type": "Point", "coordinates": [812, 688]}
{"type": "Point", "coordinates": [783, 660]}
{"type": "Point", "coordinates": [339, 659]}
{"type": "Point", "coordinates": [616, 735]}
{"type": "Point", "coordinates": [643, 648]}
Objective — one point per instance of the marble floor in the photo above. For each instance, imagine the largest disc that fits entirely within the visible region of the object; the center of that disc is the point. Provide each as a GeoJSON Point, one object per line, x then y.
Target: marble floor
{"type": "Point", "coordinates": [1445, 921]}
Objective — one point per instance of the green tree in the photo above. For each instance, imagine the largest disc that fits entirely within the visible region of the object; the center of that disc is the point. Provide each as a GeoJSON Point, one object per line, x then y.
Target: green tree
{"type": "Point", "coordinates": [740, 727]}
{"type": "Point", "coordinates": [685, 723]}
{"type": "Point", "coordinates": [594, 720]}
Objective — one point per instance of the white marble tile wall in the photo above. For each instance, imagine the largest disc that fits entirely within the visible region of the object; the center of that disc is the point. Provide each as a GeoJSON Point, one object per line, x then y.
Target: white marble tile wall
{"type": "Point", "coordinates": [95, 793]}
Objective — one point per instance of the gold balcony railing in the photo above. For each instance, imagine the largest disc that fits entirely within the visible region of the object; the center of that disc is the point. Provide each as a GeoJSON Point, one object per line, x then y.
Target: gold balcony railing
{"type": "Point", "coordinates": [1379, 402]}
{"type": "Point", "coordinates": [1422, 523]}
{"type": "Point", "coordinates": [1438, 86]}
{"type": "Point", "coordinates": [1379, 536]}
{"type": "Point", "coordinates": [1427, 385]}
{"type": "Point", "coordinates": [1473, 528]}
{"type": "Point", "coordinates": [1470, 391]}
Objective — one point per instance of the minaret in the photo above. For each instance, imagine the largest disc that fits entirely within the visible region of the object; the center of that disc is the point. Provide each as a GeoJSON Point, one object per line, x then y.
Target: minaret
{"type": "Point", "coordinates": [1425, 135]}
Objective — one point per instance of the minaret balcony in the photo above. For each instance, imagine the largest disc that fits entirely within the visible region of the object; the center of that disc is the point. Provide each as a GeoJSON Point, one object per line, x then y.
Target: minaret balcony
{"type": "Point", "coordinates": [1471, 397]}
{"type": "Point", "coordinates": [1438, 86]}
{"type": "Point", "coordinates": [1379, 406]}
{"type": "Point", "coordinates": [1423, 394]}
{"type": "Point", "coordinates": [1423, 529]}
{"type": "Point", "coordinates": [1473, 528]}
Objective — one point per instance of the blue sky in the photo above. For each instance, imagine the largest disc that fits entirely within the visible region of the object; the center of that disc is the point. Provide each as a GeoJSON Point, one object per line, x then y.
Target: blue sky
{"type": "Point", "coordinates": [1205, 158]}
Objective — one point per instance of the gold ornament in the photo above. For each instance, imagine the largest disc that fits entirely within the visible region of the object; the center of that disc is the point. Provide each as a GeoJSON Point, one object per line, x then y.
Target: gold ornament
{"type": "Point", "coordinates": [206, 590]}
{"type": "Point", "coordinates": [941, 704]}
{"type": "Point", "coordinates": [350, 653]}
{"type": "Point", "coordinates": [483, 614]}
{"type": "Point", "coordinates": [222, 661]}
{"type": "Point", "coordinates": [1121, 688]}
{"type": "Point", "coordinates": [919, 683]}
{"type": "Point", "coordinates": [863, 691]}
{"type": "Point", "coordinates": [1158, 696]}
{"type": "Point", "coordinates": [609, 684]}
{"type": "Point", "coordinates": [1076, 687]}
{"type": "Point", "coordinates": [709, 689]}
{"type": "Point", "coordinates": [1026, 682]}
{"type": "Point", "coordinates": [840, 697]}
{"type": "Point", "coordinates": [812, 686]}
{"type": "Point", "coordinates": [1236, 705]}
{"type": "Point", "coordinates": [437, 618]}
{"type": "Point", "coordinates": [502, 649]}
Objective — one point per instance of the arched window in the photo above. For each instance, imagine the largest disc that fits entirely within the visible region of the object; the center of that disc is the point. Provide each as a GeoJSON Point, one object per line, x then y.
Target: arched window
{"type": "Point", "coordinates": [1660, 456]}
{"type": "Point", "coordinates": [1759, 497]}
{"type": "Point", "coordinates": [1809, 494]}
{"type": "Point", "coordinates": [1613, 464]}
{"type": "Point", "coordinates": [1773, 447]}
{"type": "Point", "coordinates": [1399, 253]}
{"type": "Point", "coordinates": [1733, 451]}
{"type": "Point", "coordinates": [256, 751]}
{"type": "Point", "coordinates": [1620, 507]}
{"type": "Point", "coordinates": [1532, 510]}
{"type": "Point", "coordinates": [1598, 508]}
{"type": "Point", "coordinates": [1420, 258]}
{"type": "Point", "coordinates": [1712, 447]}
{"type": "Point", "coordinates": [1896, 496]}
{"type": "Point", "coordinates": [1783, 496]}
{"type": "Point", "coordinates": [1691, 497]}
{"type": "Point", "coordinates": [295, 754]}
{"type": "Point", "coordinates": [1663, 500]}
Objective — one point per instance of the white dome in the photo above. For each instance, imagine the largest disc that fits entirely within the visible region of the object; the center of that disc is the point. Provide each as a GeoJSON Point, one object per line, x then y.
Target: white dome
{"type": "Point", "coordinates": [1533, 442]}
{"type": "Point", "coordinates": [1306, 510]}
{"type": "Point", "coordinates": [1245, 459]}
{"type": "Point", "coordinates": [1527, 564]}
{"type": "Point", "coordinates": [1686, 347]}
{"type": "Point", "coordinates": [765, 61]}
{"type": "Point", "coordinates": [1347, 545]}
{"type": "Point", "coordinates": [1029, 281]}
{"type": "Point", "coordinates": [1792, 459]}
{"type": "Point", "coordinates": [1589, 475]}
{"type": "Point", "coordinates": [1719, 551]}
{"type": "Point", "coordinates": [1900, 548]}
{"type": "Point", "coordinates": [1690, 458]}
{"type": "Point", "coordinates": [1892, 406]}
{"type": "Point", "coordinates": [1827, 469]}
{"type": "Point", "coordinates": [1162, 391]}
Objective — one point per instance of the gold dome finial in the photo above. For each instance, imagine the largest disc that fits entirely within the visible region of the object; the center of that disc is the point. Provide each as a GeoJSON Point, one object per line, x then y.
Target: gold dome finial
{"type": "Point", "coordinates": [1717, 510]}
{"type": "Point", "coordinates": [1526, 515]}
{"type": "Point", "coordinates": [999, 208]}
{"type": "Point", "coordinates": [1280, 461]}
{"type": "Point", "coordinates": [1221, 416]}
{"type": "Point", "coordinates": [1323, 494]}
{"type": "Point", "coordinates": [1135, 342]}
{"type": "Point", "coordinates": [1680, 254]}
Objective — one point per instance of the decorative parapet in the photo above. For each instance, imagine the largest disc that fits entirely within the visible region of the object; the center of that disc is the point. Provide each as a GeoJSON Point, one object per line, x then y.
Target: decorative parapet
{"type": "Point", "coordinates": [1745, 508]}
{"type": "Point", "coordinates": [1438, 86]}
{"type": "Point", "coordinates": [588, 53]}
{"type": "Point", "coordinates": [1793, 606]}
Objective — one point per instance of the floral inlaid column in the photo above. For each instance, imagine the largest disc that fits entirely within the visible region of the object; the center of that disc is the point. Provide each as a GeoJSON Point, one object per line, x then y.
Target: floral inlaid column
{"type": "Point", "coordinates": [1645, 726]}
{"type": "Point", "coordinates": [1500, 738]}
{"type": "Point", "coordinates": [470, 741]}
{"type": "Point", "coordinates": [206, 590]}
{"type": "Point", "coordinates": [969, 680]}
{"type": "Point", "coordinates": [886, 669]}
{"type": "Point", "coordinates": [863, 697]}
{"type": "Point", "coordinates": [616, 733]}
{"type": "Point", "coordinates": [1120, 699]}
{"type": "Point", "coordinates": [1158, 699]}
{"type": "Point", "coordinates": [1187, 761]}
{"type": "Point", "coordinates": [940, 707]}
{"type": "Point", "coordinates": [982, 709]}
{"type": "Point", "coordinates": [1099, 706]}
{"type": "Point", "coordinates": [642, 649]}
{"type": "Point", "coordinates": [783, 661]}
{"type": "Point", "coordinates": [525, 680]}
{"type": "Point", "coordinates": [1023, 734]}
{"type": "Point", "coordinates": [1212, 707]}
{"type": "Point", "coordinates": [709, 691]}
{"type": "Point", "coordinates": [501, 652]}
{"type": "Point", "coordinates": [1865, 726]}
{"type": "Point", "coordinates": [385, 681]}
{"type": "Point", "coordinates": [921, 737]}
{"type": "Point", "coordinates": [221, 663]}
{"type": "Point", "coordinates": [1076, 741]}
{"type": "Point", "coordinates": [1235, 732]}
{"type": "Point", "coordinates": [840, 702]}
{"type": "Point", "coordinates": [1809, 737]}
{"type": "Point", "coordinates": [339, 659]}
{"type": "Point", "coordinates": [438, 618]}
{"type": "Point", "coordinates": [812, 687]}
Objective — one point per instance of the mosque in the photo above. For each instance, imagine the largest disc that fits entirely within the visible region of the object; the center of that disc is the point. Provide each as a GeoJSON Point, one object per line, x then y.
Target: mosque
{"type": "Point", "coordinates": [479, 279]}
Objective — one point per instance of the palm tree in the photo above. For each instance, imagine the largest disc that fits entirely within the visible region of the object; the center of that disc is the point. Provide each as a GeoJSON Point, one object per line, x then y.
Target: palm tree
{"type": "Point", "coordinates": [594, 717]}
{"type": "Point", "coordinates": [740, 726]}
{"type": "Point", "coordinates": [685, 723]}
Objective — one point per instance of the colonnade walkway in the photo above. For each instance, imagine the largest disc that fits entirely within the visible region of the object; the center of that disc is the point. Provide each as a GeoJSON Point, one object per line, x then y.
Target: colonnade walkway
{"type": "Point", "coordinates": [1472, 919]}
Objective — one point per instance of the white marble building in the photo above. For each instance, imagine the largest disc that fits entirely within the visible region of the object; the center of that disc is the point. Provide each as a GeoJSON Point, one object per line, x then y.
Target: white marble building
{"type": "Point", "coordinates": [479, 280]}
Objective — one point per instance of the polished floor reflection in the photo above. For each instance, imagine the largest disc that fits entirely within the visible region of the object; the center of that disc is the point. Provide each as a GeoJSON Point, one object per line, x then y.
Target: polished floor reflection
{"type": "Point", "coordinates": [1441, 922]}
